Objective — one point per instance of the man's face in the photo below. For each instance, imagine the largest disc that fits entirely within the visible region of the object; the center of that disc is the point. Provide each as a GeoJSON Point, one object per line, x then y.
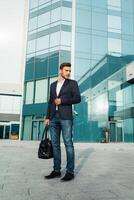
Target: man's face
{"type": "Point", "coordinates": [65, 72]}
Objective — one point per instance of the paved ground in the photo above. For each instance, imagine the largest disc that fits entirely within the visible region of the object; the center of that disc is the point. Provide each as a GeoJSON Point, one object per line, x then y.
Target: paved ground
{"type": "Point", "coordinates": [103, 172]}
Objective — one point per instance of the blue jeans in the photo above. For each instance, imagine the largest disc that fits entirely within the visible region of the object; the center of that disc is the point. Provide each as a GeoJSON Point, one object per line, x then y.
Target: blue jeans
{"type": "Point", "coordinates": [56, 126]}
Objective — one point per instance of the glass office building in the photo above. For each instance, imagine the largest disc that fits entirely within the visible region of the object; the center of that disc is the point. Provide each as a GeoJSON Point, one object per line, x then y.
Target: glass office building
{"type": "Point", "coordinates": [98, 38]}
{"type": "Point", "coordinates": [107, 101]}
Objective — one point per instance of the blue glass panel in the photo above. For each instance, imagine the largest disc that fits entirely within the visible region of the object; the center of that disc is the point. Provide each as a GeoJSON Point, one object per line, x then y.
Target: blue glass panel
{"type": "Point", "coordinates": [53, 65]}
{"type": "Point", "coordinates": [81, 15]}
{"type": "Point", "coordinates": [102, 3]}
{"type": "Point", "coordinates": [99, 21]}
{"type": "Point", "coordinates": [127, 6]}
{"type": "Point", "coordinates": [41, 67]}
{"type": "Point", "coordinates": [129, 130]}
{"type": "Point", "coordinates": [29, 71]}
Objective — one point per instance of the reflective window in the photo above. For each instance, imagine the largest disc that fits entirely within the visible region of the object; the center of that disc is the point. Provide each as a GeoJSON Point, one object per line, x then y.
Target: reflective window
{"type": "Point", "coordinates": [32, 23]}
{"type": "Point", "coordinates": [53, 65]}
{"type": "Point", "coordinates": [119, 99]}
{"type": "Point", "coordinates": [66, 13]}
{"type": "Point", "coordinates": [99, 21]}
{"type": "Point", "coordinates": [65, 56]}
{"type": "Point", "coordinates": [43, 1]}
{"type": "Point", "coordinates": [82, 66]}
{"type": "Point", "coordinates": [27, 128]}
{"type": "Point", "coordinates": [31, 46]}
{"type": "Point", "coordinates": [88, 3]}
{"type": "Point", "coordinates": [127, 26]}
{"type": "Point", "coordinates": [44, 19]}
{"type": "Point", "coordinates": [81, 15]}
{"type": "Point", "coordinates": [83, 42]}
{"type": "Point", "coordinates": [42, 43]}
{"type": "Point", "coordinates": [127, 6]}
{"type": "Point", "coordinates": [128, 96]}
{"type": "Point", "coordinates": [54, 1]}
{"type": "Point", "coordinates": [55, 14]}
{"type": "Point", "coordinates": [128, 46]}
{"type": "Point", "coordinates": [33, 3]}
{"type": "Point", "coordinates": [99, 45]}
{"type": "Point", "coordinates": [99, 106]}
{"type": "Point", "coordinates": [53, 79]}
{"type": "Point", "coordinates": [41, 66]}
{"type": "Point", "coordinates": [54, 39]}
{"type": "Point", "coordinates": [41, 91]}
{"type": "Point", "coordinates": [29, 92]}
{"type": "Point", "coordinates": [114, 45]}
{"type": "Point", "coordinates": [114, 24]}
{"type": "Point", "coordinates": [65, 38]}
{"type": "Point", "coordinates": [102, 3]}
{"type": "Point", "coordinates": [42, 5]}
{"type": "Point", "coordinates": [114, 4]}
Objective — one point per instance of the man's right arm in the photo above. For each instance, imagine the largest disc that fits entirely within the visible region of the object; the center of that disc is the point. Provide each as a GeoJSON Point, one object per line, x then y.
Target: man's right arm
{"type": "Point", "coordinates": [47, 115]}
{"type": "Point", "coordinates": [48, 110]}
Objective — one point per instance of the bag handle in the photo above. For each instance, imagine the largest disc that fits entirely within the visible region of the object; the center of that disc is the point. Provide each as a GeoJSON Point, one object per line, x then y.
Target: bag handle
{"type": "Point", "coordinates": [45, 133]}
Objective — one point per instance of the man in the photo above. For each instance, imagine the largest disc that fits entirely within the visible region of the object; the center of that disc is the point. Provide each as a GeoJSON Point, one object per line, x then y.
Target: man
{"type": "Point", "coordinates": [63, 93]}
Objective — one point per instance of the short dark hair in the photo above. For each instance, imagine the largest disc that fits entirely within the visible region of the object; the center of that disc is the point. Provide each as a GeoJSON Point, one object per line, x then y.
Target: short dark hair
{"type": "Point", "coordinates": [65, 65]}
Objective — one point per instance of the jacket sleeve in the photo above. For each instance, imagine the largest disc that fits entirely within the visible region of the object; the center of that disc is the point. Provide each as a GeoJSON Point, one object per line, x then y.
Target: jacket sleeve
{"type": "Point", "coordinates": [49, 105]}
{"type": "Point", "coordinates": [74, 98]}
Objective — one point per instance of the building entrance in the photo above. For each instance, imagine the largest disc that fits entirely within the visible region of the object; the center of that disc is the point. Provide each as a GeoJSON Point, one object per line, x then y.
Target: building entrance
{"type": "Point", "coordinates": [116, 131]}
{"type": "Point", "coordinates": [5, 131]}
{"type": "Point", "coordinates": [37, 129]}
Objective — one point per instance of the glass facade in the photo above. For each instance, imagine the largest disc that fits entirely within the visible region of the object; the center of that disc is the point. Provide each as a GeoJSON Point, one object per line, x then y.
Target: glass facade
{"type": "Point", "coordinates": [98, 38]}
{"type": "Point", "coordinates": [104, 46]}
{"type": "Point", "coordinates": [108, 29]}
{"type": "Point", "coordinates": [107, 102]}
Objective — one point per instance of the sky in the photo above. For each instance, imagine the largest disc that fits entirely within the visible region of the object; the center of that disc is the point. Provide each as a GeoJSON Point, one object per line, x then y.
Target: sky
{"type": "Point", "coordinates": [11, 40]}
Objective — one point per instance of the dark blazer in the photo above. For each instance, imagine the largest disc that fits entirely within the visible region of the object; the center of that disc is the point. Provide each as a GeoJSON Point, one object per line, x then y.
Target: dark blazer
{"type": "Point", "coordinates": [69, 94]}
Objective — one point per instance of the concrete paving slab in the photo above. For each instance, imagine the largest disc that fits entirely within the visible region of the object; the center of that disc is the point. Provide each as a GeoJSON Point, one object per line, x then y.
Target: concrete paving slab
{"type": "Point", "coordinates": [103, 172]}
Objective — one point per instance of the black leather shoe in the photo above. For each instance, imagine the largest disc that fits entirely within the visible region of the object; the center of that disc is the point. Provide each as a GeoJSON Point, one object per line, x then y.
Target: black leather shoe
{"type": "Point", "coordinates": [68, 177]}
{"type": "Point", "coordinates": [53, 174]}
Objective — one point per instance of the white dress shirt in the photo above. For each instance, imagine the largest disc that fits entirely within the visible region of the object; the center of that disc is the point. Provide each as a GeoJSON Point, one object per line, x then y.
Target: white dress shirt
{"type": "Point", "coordinates": [58, 88]}
{"type": "Point", "coordinates": [59, 85]}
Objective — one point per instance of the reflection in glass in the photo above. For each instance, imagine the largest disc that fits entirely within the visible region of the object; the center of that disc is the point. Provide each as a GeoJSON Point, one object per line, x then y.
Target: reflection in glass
{"type": "Point", "coordinates": [29, 92]}
{"type": "Point", "coordinates": [53, 79]}
{"type": "Point", "coordinates": [114, 24]}
{"type": "Point", "coordinates": [65, 38]}
{"type": "Point", "coordinates": [55, 14]}
{"type": "Point", "coordinates": [54, 39]}
{"type": "Point", "coordinates": [66, 14]}
{"type": "Point", "coordinates": [31, 46]}
{"type": "Point", "coordinates": [43, 1]}
{"type": "Point", "coordinates": [81, 15]}
{"type": "Point", "coordinates": [33, 4]}
{"type": "Point", "coordinates": [44, 19]}
{"type": "Point", "coordinates": [41, 91]}
{"type": "Point", "coordinates": [114, 45]}
{"type": "Point", "coordinates": [32, 23]}
{"type": "Point", "coordinates": [42, 43]}
{"type": "Point", "coordinates": [114, 4]}
{"type": "Point", "coordinates": [27, 128]}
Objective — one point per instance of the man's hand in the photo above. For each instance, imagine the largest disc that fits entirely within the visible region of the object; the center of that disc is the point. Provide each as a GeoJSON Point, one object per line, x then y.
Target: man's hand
{"type": "Point", "coordinates": [57, 101]}
{"type": "Point", "coordinates": [47, 122]}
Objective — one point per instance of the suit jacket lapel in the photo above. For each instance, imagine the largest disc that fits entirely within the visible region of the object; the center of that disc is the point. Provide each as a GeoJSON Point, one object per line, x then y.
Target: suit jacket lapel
{"type": "Point", "coordinates": [63, 86]}
{"type": "Point", "coordinates": [54, 89]}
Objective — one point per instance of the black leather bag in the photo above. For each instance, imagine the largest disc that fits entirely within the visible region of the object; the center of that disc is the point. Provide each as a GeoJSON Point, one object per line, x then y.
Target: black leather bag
{"type": "Point", "coordinates": [45, 150]}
